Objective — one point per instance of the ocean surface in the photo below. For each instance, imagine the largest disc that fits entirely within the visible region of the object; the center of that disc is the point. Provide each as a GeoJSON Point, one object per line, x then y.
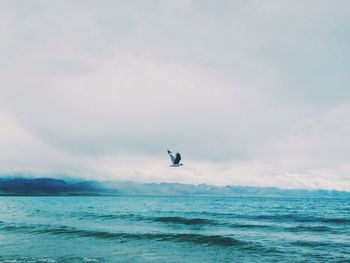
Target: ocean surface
{"type": "Point", "coordinates": [173, 229]}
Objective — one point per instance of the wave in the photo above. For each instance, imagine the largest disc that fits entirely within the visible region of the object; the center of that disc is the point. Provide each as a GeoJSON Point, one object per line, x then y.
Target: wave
{"type": "Point", "coordinates": [175, 237]}
{"type": "Point", "coordinates": [206, 222]}
{"type": "Point", "coordinates": [336, 220]}
{"type": "Point", "coordinates": [13, 227]}
{"type": "Point", "coordinates": [237, 225]}
{"type": "Point", "coordinates": [311, 243]}
{"type": "Point", "coordinates": [134, 217]}
{"type": "Point", "coordinates": [198, 221]}
{"type": "Point", "coordinates": [299, 218]}
{"type": "Point", "coordinates": [162, 219]}
{"type": "Point", "coordinates": [185, 221]}
{"type": "Point", "coordinates": [280, 217]}
{"type": "Point", "coordinates": [302, 228]}
{"type": "Point", "coordinates": [179, 220]}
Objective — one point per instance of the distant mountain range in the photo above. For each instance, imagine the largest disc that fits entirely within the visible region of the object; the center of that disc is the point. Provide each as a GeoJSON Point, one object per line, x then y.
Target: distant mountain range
{"type": "Point", "coordinates": [47, 186]}
{"type": "Point", "coordinates": [51, 186]}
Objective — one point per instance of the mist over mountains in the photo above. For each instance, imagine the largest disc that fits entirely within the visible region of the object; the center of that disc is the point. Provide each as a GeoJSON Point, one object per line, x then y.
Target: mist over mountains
{"type": "Point", "coordinates": [52, 186]}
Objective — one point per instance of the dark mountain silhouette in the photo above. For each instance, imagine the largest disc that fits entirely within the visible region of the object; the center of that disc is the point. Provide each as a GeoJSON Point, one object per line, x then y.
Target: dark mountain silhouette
{"type": "Point", "coordinates": [47, 186]}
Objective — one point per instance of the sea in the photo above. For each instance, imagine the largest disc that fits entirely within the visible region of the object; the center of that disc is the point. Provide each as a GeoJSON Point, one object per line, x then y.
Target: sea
{"type": "Point", "coordinates": [173, 229]}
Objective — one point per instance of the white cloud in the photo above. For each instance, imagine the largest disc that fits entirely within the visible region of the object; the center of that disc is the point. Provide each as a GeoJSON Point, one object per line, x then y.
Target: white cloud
{"type": "Point", "coordinates": [251, 92]}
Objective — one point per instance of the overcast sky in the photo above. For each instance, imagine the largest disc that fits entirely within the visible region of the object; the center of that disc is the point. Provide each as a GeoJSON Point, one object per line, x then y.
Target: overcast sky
{"type": "Point", "coordinates": [250, 92]}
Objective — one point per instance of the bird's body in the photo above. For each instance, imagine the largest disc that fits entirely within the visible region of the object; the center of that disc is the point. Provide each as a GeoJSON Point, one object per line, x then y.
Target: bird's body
{"type": "Point", "coordinates": [175, 159]}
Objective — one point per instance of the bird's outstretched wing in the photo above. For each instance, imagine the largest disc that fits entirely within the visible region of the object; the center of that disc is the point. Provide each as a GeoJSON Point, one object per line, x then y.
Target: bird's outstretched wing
{"type": "Point", "coordinates": [172, 157]}
{"type": "Point", "coordinates": [177, 158]}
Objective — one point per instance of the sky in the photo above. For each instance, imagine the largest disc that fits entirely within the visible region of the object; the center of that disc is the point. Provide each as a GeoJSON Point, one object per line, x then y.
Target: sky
{"type": "Point", "coordinates": [249, 92]}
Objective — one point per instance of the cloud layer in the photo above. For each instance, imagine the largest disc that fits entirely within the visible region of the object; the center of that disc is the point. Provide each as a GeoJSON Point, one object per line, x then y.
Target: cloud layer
{"type": "Point", "coordinates": [251, 92]}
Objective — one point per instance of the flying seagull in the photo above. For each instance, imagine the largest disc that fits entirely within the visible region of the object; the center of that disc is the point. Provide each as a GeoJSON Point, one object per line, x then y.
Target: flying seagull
{"type": "Point", "coordinates": [175, 159]}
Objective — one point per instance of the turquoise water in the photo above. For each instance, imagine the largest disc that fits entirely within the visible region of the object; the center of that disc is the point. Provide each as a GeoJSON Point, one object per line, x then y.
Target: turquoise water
{"type": "Point", "coordinates": [173, 229]}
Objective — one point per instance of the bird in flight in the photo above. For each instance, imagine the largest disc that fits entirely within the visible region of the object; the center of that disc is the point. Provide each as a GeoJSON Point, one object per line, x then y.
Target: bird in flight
{"type": "Point", "coordinates": [175, 159]}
